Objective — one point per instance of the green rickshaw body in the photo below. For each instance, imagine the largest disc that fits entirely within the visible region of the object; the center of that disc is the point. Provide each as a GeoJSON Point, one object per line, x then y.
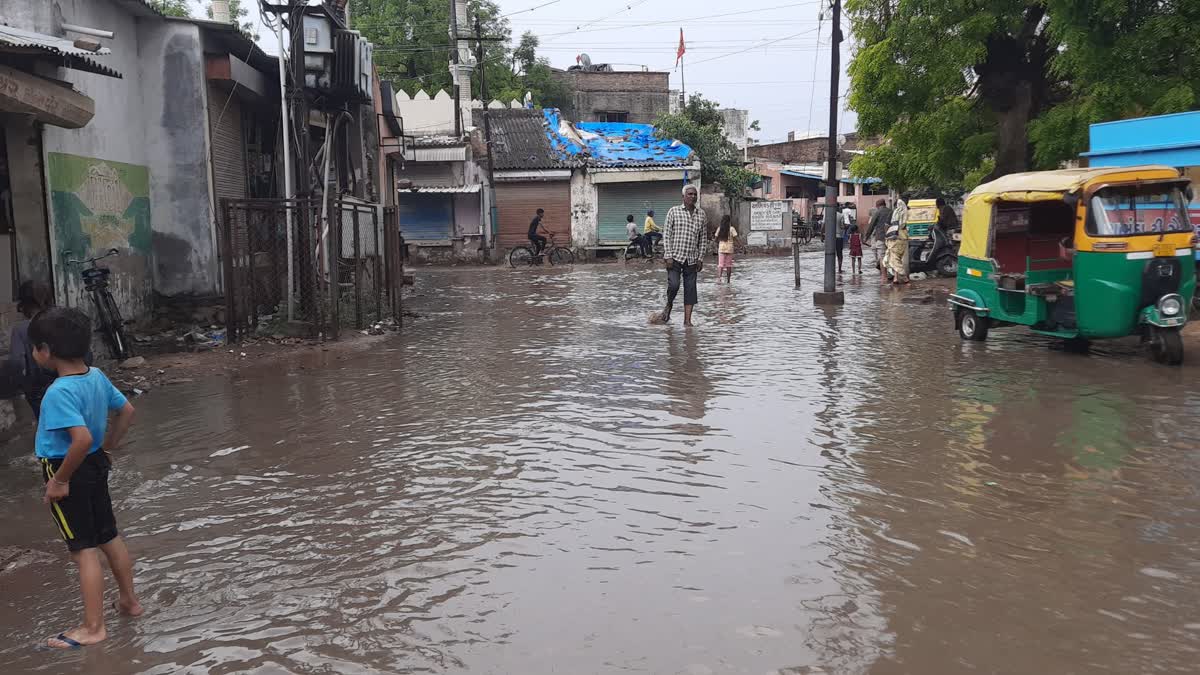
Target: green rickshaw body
{"type": "Point", "coordinates": [1108, 293]}
{"type": "Point", "coordinates": [1078, 254]}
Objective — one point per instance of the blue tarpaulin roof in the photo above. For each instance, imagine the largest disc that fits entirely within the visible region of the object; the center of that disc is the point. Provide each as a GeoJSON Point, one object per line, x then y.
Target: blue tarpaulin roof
{"type": "Point", "coordinates": [566, 147]}
{"type": "Point", "coordinates": [613, 144]}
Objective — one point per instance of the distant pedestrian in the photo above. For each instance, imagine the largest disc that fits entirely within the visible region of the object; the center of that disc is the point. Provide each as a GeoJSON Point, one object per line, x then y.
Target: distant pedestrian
{"type": "Point", "coordinates": [73, 442]}
{"type": "Point", "coordinates": [726, 234]}
{"type": "Point", "coordinates": [876, 233]}
{"type": "Point", "coordinates": [684, 236]}
{"type": "Point", "coordinates": [900, 219]}
{"type": "Point", "coordinates": [854, 241]}
{"type": "Point", "coordinates": [845, 217]}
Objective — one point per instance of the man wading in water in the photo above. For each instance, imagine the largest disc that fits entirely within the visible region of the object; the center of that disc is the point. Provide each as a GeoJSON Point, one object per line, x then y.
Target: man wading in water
{"type": "Point", "coordinates": [684, 235]}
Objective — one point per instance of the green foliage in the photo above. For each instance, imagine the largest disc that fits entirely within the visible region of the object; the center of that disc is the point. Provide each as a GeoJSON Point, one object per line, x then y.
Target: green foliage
{"type": "Point", "coordinates": [960, 91]}
{"type": "Point", "coordinates": [177, 8]}
{"type": "Point", "coordinates": [413, 50]}
{"type": "Point", "coordinates": [699, 126]}
{"type": "Point", "coordinates": [238, 13]}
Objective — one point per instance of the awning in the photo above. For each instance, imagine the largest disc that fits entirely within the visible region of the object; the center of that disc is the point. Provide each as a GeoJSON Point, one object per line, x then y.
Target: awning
{"type": "Point", "coordinates": [15, 40]}
{"type": "Point", "coordinates": [443, 189]}
{"type": "Point", "coordinates": [797, 174]}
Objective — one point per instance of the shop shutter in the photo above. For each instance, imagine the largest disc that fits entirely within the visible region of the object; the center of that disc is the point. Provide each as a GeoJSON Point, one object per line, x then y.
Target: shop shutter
{"type": "Point", "coordinates": [618, 200]}
{"type": "Point", "coordinates": [228, 147]}
{"type": "Point", "coordinates": [518, 203]}
{"type": "Point", "coordinates": [425, 217]}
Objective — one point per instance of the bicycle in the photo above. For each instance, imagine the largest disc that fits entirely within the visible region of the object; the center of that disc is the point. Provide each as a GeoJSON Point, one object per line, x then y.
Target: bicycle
{"type": "Point", "coordinates": [555, 254]}
{"type": "Point", "coordinates": [95, 280]}
{"type": "Point", "coordinates": [634, 250]}
{"type": "Point", "coordinates": [802, 230]}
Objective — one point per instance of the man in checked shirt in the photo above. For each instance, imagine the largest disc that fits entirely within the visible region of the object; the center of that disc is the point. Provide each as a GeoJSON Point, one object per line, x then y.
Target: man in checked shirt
{"type": "Point", "coordinates": [684, 234]}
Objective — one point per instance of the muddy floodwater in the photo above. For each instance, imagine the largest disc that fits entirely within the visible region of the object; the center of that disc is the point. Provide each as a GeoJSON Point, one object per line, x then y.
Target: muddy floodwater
{"type": "Point", "coordinates": [531, 479]}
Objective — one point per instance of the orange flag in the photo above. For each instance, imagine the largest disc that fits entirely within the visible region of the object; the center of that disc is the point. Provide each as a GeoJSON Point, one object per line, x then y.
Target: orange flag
{"type": "Point", "coordinates": [682, 49]}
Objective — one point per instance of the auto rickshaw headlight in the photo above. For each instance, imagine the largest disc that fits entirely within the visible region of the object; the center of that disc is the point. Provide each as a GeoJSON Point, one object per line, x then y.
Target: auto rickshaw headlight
{"type": "Point", "coordinates": [1170, 305]}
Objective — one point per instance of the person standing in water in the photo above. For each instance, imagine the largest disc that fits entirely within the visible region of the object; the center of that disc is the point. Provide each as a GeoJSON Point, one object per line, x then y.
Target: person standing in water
{"type": "Point", "coordinates": [726, 234]}
{"type": "Point", "coordinates": [684, 234]}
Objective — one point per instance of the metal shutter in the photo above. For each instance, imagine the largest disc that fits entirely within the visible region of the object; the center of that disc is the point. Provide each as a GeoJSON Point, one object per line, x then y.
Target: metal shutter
{"type": "Point", "coordinates": [228, 147]}
{"type": "Point", "coordinates": [425, 217]}
{"type": "Point", "coordinates": [618, 200]}
{"type": "Point", "coordinates": [518, 203]}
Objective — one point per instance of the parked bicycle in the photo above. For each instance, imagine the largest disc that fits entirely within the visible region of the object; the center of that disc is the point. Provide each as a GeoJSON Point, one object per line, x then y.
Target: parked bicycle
{"type": "Point", "coordinates": [108, 316]}
{"type": "Point", "coordinates": [803, 231]}
{"type": "Point", "coordinates": [634, 250]}
{"type": "Point", "coordinates": [525, 256]}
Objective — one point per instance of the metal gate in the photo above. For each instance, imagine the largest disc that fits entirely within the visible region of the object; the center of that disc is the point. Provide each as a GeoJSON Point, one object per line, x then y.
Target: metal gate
{"type": "Point", "coordinates": [282, 266]}
{"type": "Point", "coordinates": [618, 200]}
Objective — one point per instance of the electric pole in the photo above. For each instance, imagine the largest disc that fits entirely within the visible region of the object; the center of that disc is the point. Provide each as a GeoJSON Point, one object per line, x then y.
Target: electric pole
{"type": "Point", "coordinates": [487, 131]}
{"type": "Point", "coordinates": [830, 295]}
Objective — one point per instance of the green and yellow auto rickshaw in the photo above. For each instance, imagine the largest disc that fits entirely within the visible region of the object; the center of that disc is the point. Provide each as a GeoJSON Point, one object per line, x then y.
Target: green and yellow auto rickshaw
{"type": "Point", "coordinates": [1079, 254]}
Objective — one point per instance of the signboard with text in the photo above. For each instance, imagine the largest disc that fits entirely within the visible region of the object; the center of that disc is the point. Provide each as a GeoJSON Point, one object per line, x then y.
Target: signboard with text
{"type": "Point", "coordinates": [768, 215]}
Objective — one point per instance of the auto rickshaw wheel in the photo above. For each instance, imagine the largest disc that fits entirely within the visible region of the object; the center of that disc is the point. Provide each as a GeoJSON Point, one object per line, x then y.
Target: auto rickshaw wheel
{"type": "Point", "coordinates": [1166, 346]}
{"type": "Point", "coordinates": [971, 326]}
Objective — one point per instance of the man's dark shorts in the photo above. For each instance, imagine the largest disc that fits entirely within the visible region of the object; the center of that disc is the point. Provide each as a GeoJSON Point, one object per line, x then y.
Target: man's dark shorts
{"type": "Point", "coordinates": [85, 517]}
{"type": "Point", "coordinates": [688, 272]}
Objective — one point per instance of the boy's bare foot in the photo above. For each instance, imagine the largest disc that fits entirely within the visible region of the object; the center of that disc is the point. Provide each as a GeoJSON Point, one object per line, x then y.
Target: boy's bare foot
{"type": "Point", "coordinates": [76, 638]}
{"type": "Point", "coordinates": [132, 609]}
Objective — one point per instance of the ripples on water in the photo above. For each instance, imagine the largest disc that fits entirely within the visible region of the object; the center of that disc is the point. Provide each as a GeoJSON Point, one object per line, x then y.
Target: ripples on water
{"type": "Point", "coordinates": [533, 480]}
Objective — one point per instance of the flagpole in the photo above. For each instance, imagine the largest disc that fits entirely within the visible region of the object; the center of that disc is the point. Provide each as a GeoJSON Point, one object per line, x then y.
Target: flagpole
{"type": "Point", "coordinates": [682, 82]}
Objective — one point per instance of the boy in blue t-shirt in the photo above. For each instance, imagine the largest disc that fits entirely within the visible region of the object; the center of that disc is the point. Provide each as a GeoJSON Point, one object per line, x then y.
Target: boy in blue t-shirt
{"type": "Point", "coordinates": [72, 437]}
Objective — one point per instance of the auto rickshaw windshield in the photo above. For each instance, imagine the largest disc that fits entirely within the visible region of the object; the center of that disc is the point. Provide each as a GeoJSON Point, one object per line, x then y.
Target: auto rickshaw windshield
{"type": "Point", "coordinates": [1130, 210]}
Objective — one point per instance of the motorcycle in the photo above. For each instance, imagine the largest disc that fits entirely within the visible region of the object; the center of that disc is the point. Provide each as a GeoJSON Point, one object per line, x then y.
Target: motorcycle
{"type": "Point", "coordinates": [938, 253]}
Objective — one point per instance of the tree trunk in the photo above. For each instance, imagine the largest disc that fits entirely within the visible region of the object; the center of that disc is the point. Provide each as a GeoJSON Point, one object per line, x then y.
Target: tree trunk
{"type": "Point", "coordinates": [1012, 139]}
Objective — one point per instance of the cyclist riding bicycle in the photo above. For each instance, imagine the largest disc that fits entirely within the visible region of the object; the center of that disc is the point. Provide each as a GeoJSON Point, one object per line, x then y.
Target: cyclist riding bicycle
{"type": "Point", "coordinates": [535, 229]}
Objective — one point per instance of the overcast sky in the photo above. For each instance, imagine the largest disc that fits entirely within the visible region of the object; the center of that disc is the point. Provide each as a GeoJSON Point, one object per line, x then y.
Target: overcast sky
{"type": "Point", "coordinates": [763, 56]}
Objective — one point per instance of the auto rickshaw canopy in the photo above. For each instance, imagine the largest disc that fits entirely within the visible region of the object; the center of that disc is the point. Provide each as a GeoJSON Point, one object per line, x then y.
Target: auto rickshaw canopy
{"type": "Point", "coordinates": [1036, 186]}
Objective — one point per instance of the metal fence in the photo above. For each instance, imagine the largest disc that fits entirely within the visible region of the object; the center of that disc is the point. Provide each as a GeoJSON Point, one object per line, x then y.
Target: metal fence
{"type": "Point", "coordinates": [298, 264]}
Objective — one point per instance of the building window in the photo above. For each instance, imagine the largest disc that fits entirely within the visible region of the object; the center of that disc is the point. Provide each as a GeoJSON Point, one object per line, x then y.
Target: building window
{"type": "Point", "coordinates": [767, 184]}
{"type": "Point", "coordinates": [875, 189]}
{"type": "Point", "coordinates": [851, 189]}
{"type": "Point", "coordinates": [612, 116]}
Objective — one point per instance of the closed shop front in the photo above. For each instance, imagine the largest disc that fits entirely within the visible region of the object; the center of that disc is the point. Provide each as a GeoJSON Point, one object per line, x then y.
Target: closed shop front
{"type": "Point", "coordinates": [619, 200]}
{"type": "Point", "coordinates": [518, 203]}
{"type": "Point", "coordinates": [228, 144]}
{"type": "Point", "coordinates": [426, 217]}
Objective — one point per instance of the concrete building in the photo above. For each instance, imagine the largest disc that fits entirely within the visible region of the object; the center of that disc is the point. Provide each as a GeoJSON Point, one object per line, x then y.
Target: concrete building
{"type": "Point", "coordinates": [182, 115]}
{"type": "Point", "coordinates": [736, 127]}
{"type": "Point", "coordinates": [636, 97]}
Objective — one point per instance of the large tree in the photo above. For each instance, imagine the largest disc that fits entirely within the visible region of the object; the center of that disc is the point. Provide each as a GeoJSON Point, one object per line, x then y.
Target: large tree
{"type": "Point", "coordinates": [413, 50]}
{"type": "Point", "coordinates": [177, 8]}
{"type": "Point", "coordinates": [699, 125]}
{"type": "Point", "coordinates": [961, 90]}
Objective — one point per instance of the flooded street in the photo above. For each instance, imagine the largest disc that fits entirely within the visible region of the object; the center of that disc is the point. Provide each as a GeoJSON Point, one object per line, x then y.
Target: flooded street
{"type": "Point", "coordinates": [530, 479]}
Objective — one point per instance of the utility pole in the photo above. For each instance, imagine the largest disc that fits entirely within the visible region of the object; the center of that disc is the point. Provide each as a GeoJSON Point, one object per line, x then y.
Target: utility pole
{"type": "Point", "coordinates": [458, 125]}
{"type": "Point", "coordinates": [487, 132]}
{"type": "Point", "coordinates": [830, 295]}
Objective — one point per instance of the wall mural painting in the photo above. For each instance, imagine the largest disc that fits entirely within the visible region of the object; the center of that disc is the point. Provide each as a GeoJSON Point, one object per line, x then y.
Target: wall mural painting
{"type": "Point", "coordinates": [98, 205]}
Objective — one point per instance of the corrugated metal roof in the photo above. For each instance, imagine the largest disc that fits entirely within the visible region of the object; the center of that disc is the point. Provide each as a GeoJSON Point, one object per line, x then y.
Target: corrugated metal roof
{"type": "Point", "coordinates": [631, 145]}
{"type": "Point", "coordinates": [437, 154]}
{"type": "Point", "coordinates": [436, 141]}
{"type": "Point", "coordinates": [529, 139]}
{"type": "Point", "coordinates": [73, 57]}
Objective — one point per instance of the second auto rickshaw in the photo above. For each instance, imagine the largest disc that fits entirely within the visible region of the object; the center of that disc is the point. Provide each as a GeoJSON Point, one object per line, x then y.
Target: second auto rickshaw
{"type": "Point", "coordinates": [1080, 254]}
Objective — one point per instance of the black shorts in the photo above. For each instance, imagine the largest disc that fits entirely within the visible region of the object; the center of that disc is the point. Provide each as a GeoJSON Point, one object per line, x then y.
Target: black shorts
{"type": "Point", "coordinates": [85, 517]}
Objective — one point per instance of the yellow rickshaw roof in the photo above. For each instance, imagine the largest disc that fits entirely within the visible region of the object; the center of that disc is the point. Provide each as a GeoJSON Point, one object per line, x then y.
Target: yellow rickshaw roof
{"type": "Point", "coordinates": [1052, 185]}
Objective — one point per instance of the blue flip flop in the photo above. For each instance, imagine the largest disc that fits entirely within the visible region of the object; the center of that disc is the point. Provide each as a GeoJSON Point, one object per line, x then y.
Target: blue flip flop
{"type": "Point", "coordinates": [71, 644]}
